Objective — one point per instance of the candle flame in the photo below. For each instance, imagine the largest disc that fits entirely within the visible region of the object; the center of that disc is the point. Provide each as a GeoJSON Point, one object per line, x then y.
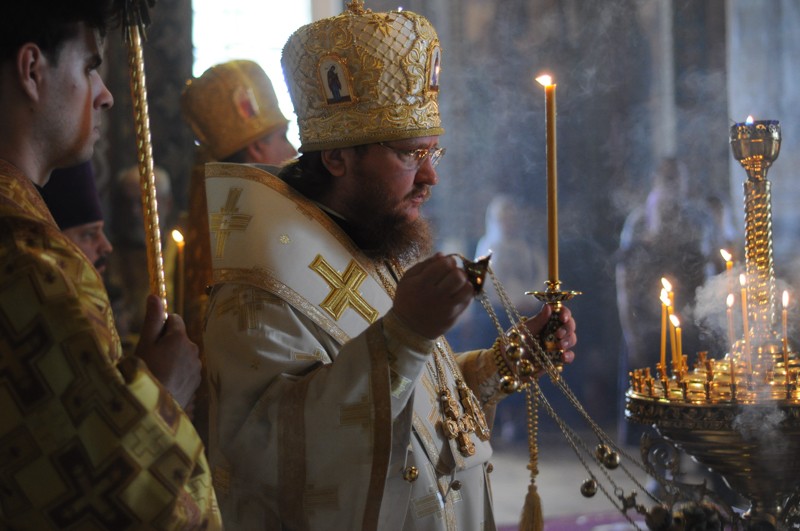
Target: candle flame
{"type": "Point", "coordinates": [742, 280]}
{"type": "Point", "coordinates": [665, 298]}
{"type": "Point", "coordinates": [545, 80]}
{"type": "Point", "coordinates": [749, 120]}
{"type": "Point", "coordinates": [675, 321]}
{"type": "Point", "coordinates": [667, 284]}
{"type": "Point", "coordinates": [177, 236]}
{"type": "Point", "coordinates": [729, 300]}
{"type": "Point", "coordinates": [725, 255]}
{"type": "Point", "coordinates": [785, 299]}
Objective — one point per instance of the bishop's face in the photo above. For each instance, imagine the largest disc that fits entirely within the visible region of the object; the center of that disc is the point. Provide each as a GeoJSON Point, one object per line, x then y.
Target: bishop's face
{"type": "Point", "coordinates": [384, 175]}
{"type": "Point", "coordinates": [381, 191]}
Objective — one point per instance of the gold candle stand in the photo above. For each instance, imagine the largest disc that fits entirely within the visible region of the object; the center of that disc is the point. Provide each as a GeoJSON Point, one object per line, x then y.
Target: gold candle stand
{"type": "Point", "coordinates": [739, 419]}
{"type": "Point", "coordinates": [136, 17]}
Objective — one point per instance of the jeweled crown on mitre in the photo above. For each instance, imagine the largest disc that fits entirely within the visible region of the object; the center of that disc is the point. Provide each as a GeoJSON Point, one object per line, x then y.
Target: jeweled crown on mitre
{"type": "Point", "coordinates": [231, 105]}
{"type": "Point", "coordinates": [364, 77]}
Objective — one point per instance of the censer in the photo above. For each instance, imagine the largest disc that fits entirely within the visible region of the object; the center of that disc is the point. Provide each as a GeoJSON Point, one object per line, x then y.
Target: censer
{"type": "Point", "coordinates": [739, 416]}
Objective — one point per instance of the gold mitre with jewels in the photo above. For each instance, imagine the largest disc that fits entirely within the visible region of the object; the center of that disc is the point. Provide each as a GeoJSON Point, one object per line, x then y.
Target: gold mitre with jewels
{"type": "Point", "coordinates": [364, 77]}
{"type": "Point", "coordinates": [231, 105]}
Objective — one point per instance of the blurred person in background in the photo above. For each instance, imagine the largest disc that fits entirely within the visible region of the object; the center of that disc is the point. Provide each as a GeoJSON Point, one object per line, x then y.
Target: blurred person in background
{"type": "Point", "coordinates": [71, 196]}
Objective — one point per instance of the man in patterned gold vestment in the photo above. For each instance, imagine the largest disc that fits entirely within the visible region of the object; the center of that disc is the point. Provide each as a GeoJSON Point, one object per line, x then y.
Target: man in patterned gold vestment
{"type": "Point", "coordinates": [89, 439]}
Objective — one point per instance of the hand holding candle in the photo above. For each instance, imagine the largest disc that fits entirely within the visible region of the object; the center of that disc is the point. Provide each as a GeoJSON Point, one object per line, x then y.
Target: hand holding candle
{"type": "Point", "coordinates": [553, 295]}
{"type": "Point", "coordinates": [552, 179]}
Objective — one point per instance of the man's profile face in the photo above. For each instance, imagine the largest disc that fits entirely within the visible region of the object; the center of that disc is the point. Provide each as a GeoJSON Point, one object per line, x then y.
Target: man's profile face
{"type": "Point", "coordinates": [91, 239]}
{"type": "Point", "coordinates": [74, 96]}
{"type": "Point", "coordinates": [276, 147]}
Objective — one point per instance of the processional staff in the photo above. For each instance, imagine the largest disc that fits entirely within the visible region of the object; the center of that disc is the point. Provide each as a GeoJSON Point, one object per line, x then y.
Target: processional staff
{"type": "Point", "coordinates": [135, 19]}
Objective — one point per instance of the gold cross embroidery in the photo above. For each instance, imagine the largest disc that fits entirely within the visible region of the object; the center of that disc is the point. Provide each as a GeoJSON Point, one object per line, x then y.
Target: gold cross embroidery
{"type": "Point", "coordinates": [433, 398]}
{"type": "Point", "coordinates": [358, 414]}
{"type": "Point", "coordinates": [344, 289]}
{"type": "Point", "coordinates": [246, 304]}
{"type": "Point", "coordinates": [227, 220]}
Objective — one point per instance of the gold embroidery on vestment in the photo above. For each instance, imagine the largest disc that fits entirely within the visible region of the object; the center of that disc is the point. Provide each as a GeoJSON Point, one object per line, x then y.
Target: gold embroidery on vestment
{"type": "Point", "coordinates": [430, 504]}
{"type": "Point", "coordinates": [317, 355]}
{"type": "Point", "coordinates": [344, 289]}
{"type": "Point", "coordinates": [433, 398]}
{"type": "Point", "coordinates": [227, 220]}
{"type": "Point", "coordinates": [246, 303]}
{"type": "Point", "coordinates": [359, 414]}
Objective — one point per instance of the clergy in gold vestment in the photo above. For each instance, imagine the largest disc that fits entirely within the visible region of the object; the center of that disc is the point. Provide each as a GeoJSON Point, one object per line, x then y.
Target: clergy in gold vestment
{"type": "Point", "coordinates": [234, 115]}
{"type": "Point", "coordinates": [89, 439]}
{"type": "Point", "coordinates": [335, 402]}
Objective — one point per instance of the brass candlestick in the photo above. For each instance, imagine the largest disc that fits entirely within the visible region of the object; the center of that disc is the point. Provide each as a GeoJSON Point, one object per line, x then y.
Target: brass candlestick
{"type": "Point", "coordinates": [553, 297]}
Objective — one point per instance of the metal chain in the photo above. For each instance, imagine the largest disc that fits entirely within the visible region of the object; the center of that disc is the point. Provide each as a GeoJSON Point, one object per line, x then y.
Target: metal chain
{"type": "Point", "coordinates": [535, 392]}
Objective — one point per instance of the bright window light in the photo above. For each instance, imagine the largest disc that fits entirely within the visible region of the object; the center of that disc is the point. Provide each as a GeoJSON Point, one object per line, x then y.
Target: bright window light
{"type": "Point", "coordinates": [243, 29]}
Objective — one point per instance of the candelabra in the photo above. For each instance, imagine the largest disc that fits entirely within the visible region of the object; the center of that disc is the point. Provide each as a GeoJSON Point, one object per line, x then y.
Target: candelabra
{"type": "Point", "coordinates": [740, 415]}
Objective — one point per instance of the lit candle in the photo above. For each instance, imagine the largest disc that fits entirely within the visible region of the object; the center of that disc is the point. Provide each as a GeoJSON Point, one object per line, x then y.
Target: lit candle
{"type": "Point", "coordinates": [177, 236]}
{"type": "Point", "coordinates": [668, 286]}
{"type": "Point", "coordinates": [728, 257]}
{"type": "Point", "coordinates": [731, 340]}
{"type": "Point", "coordinates": [745, 322]}
{"type": "Point", "coordinates": [670, 307]}
{"type": "Point", "coordinates": [785, 301]}
{"type": "Point", "coordinates": [552, 177]}
{"type": "Point", "coordinates": [664, 306]}
{"type": "Point", "coordinates": [677, 354]}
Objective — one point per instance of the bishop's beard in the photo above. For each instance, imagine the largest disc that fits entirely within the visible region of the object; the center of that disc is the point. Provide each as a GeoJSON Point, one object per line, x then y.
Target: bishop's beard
{"type": "Point", "coordinates": [391, 238]}
{"type": "Point", "coordinates": [383, 234]}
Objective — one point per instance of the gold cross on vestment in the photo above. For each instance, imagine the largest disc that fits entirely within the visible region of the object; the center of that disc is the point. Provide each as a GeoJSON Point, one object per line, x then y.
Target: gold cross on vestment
{"type": "Point", "coordinates": [246, 304]}
{"type": "Point", "coordinates": [358, 414]}
{"type": "Point", "coordinates": [344, 289]}
{"type": "Point", "coordinates": [227, 220]}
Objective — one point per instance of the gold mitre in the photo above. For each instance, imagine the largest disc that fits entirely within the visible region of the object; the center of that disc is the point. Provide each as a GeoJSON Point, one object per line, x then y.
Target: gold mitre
{"type": "Point", "coordinates": [364, 77]}
{"type": "Point", "coordinates": [231, 105]}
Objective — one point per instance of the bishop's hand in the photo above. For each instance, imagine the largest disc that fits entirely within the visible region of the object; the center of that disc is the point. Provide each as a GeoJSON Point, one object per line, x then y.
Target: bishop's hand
{"type": "Point", "coordinates": [432, 295]}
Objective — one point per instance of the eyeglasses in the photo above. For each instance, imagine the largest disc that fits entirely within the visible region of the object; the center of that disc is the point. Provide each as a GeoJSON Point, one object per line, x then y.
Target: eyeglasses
{"type": "Point", "coordinates": [413, 159]}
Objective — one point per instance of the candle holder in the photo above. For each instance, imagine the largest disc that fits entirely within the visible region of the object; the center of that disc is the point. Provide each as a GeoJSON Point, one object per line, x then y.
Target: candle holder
{"type": "Point", "coordinates": [756, 145]}
{"type": "Point", "coordinates": [740, 416]}
{"type": "Point", "coordinates": [553, 297]}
